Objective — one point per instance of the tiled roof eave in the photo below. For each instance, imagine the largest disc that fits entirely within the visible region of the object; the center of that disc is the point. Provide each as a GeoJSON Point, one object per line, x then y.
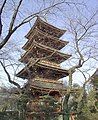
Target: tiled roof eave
{"type": "Point", "coordinates": [47, 24]}
{"type": "Point", "coordinates": [65, 56]}
{"type": "Point", "coordinates": [37, 31]}
{"type": "Point", "coordinates": [44, 66]}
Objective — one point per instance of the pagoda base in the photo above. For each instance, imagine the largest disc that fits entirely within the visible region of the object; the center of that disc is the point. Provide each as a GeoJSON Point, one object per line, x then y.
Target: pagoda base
{"type": "Point", "coordinates": [43, 108]}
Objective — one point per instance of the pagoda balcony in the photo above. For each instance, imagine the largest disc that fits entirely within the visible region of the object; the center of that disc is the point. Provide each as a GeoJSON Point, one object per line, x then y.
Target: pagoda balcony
{"type": "Point", "coordinates": [44, 62]}
{"type": "Point", "coordinates": [45, 80]}
{"type": "Point", "coordinates": [46, 87]}
{"type": "Point", "coordinates": [45, 39]}
{"type": "Point", "coordinates": [41, 70]}
{"type": "Point", "coordinates": [39, 51]}
{"type": "Point", "coordinates": [48, 63]}
{"type": "Point", "coordinates": [47, 84]}
{"type": "Point", "coordinates": [47, 28]}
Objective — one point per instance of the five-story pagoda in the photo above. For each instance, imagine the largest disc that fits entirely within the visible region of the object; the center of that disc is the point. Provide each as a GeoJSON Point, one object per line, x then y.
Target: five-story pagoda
{"type": "Point", "coordinates": [42, 59]}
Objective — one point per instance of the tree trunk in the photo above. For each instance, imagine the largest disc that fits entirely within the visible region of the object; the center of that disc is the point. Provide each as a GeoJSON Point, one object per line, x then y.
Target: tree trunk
{"type": "Point", "coordinates": [65, 107]}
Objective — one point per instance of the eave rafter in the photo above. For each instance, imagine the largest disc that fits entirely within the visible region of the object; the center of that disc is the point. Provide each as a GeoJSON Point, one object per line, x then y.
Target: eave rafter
{"type": "Point", "coordinates": [40, 51]}
{"type": "Point", "coordinates": [49, 40]}
{"type": "Point", "coordinates": [42, 70]}
{"type": "Point", "coordinates": [46, 27]}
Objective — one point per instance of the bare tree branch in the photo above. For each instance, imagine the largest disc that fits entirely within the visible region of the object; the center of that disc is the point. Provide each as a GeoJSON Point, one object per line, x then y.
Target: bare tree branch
{"type": "Point", "coordinates": [1, 9]}
{"type": "Point", "coordinates": [8, 75]}
{"type": "Point", "coordinates": [11, 24]}
{"type": "Point", "coordinates": [28, 19]}
{"type": "Point", "coordinates": [14, 16]}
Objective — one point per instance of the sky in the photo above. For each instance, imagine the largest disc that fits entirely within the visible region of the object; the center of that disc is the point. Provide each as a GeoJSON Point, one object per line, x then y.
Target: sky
{"type": "Point", "coordinates": [18, 39]}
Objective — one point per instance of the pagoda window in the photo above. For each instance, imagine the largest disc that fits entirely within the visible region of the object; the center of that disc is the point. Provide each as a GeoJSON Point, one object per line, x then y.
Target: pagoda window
{"type": "Point", "coordinates": [30, 55]}
{"type": "Point", "coordinates": [40, 70]}
{"type": "Point", "coordinates": [42, 41]}
{"type": "Point", "coordinates": [43, 29]}
{"type": "Point", "coordinates": [39, 25]}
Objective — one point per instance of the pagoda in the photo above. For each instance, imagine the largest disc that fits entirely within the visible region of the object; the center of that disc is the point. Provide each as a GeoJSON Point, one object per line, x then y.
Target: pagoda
{"type": "Point", "coordinates": [42, 64]}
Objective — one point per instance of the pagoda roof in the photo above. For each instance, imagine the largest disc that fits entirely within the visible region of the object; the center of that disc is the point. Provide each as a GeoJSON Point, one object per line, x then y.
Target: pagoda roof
{"type": "Point", "coordinates": [43, 71]}
{"type": "Point", "coordinates": [46, 27]}
{"type": "Point", "coordinates": [45, 39]}
{"type": "Point", "coordinates": [40, 51]}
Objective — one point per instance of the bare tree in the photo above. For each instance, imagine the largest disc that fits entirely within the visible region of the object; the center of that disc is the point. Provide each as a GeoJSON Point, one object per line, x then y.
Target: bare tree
{"type": "Point", "coordinates": [27, 19]}
{"type": "Point", "coordinates": [20, 16]}
{"type": "Point", "coordinates": [83, 32]}
{"type": "Point", "coordinates": [82, 29]}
